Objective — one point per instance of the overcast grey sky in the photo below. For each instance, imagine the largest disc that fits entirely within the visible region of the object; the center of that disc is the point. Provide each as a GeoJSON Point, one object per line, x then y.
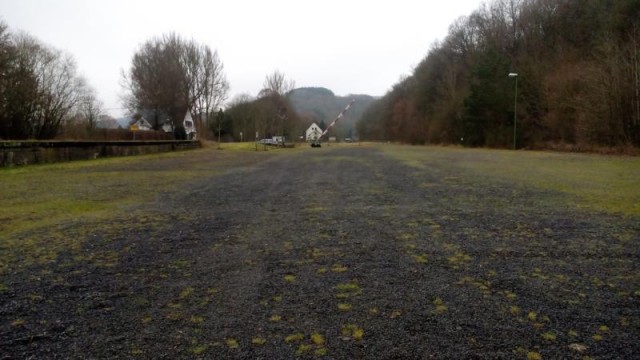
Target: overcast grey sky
{"type": "Point", "coordinates": [349, 47]}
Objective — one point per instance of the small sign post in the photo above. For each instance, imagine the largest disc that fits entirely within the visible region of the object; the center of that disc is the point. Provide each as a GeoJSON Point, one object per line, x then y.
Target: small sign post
{"type": "Point", "coordinates": [134, 128]}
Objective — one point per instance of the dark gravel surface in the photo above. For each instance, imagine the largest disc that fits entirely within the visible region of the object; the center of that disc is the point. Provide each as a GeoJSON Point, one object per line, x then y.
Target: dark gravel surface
{"type": "Point", "coordinates": [342, 253]}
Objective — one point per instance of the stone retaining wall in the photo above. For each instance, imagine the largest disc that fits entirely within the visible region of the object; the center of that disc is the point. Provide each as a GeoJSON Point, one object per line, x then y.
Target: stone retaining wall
{"type": "Point", "coordinates": [40, 152]}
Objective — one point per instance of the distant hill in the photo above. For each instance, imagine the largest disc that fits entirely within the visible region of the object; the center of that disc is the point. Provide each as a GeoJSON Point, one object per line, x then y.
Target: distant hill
{"type": "Point", "coordinates": [320, 105]}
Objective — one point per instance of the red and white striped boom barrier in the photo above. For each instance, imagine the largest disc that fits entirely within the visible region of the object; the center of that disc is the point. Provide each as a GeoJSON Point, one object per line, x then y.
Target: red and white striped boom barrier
{"type": "Point", "coordinates": [336, 119]}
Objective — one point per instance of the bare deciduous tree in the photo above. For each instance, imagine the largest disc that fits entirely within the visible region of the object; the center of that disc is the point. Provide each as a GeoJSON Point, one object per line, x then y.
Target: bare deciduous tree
{"type": "Point", "coordinates": [40, 87]}
{"type": "Point", "coordinates": [212, 86]}
{"type": "Point", "coordinates": [170, 75]}
{"type": "Point", "coordinates": [277, 83]}
{"type": "Point", "coordinates": [90, 108]}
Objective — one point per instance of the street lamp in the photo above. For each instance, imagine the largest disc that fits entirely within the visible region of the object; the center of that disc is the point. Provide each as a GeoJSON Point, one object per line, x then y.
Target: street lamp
{"type": "Point", "coordinates": [515, 108]}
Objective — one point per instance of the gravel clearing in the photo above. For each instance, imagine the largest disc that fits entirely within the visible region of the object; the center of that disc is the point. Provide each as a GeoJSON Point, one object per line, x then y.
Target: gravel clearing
{"type": "Point", "coordinates": [338, 253]}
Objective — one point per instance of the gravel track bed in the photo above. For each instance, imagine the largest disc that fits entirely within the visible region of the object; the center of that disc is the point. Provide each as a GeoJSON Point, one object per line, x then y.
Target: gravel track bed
{"type": "Point", "coordinates": [340, 252]}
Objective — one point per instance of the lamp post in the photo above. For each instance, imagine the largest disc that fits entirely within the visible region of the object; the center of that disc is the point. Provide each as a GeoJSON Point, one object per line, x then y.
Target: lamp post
{"type": "Point", "coordinates": [515, 108]}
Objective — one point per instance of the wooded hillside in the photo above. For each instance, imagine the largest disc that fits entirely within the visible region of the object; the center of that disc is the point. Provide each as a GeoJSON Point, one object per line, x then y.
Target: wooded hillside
{"type": "Point", "coordinates": [321, 106]}
{"type": "Point", "coordinates": [578, 66]}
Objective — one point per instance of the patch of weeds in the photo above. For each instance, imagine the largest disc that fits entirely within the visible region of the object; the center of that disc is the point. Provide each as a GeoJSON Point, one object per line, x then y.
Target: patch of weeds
{"type": "Point", "coordinates": [406, 237]}
{"type": "Point", "coordinates": [420, 259]}
{"type": "Point", "coordinates": [196, 319]}
{"type": "Point", "coordinates": [624, 321]}
{"type": "Point", "coordinates": [395, 314]}
{"type": "Point", "coordinates": [597, 337]}
{"type": "Point", "coordinates": [231, 343]}
{"type": "Point", "coordinates": [141, 301]}
{"type": "Point", "coordinates": [578, 347]}
{"type": "Point", "coordinates": [179, 264]}
{"type": "Point", "coordinates": [514, 310]}
{"type": "Point", "coordinates": [537, 273]}
{"type": "Point", "coordinates": [520, 350]}
{"type": "Point", "coordinates": [289, 278]}
{"type": "Point", "coordinates": [532, 355]}
{"type": "Point", "coordinates": [146, 319]}
{"type": "Point", "coordinates": [199, 350]}
{"type": "Point", "coordinates": [259, 341]}
{"type": "Point", "coordinates": [277, 298]}
{"type": "Point", "coordinates": [3, 288]}
{"type": "Point", "coordinates": [532, 316]}
{"type": "Point", "coordinates": [173, 305]}
{"type": "Point", "coordinates": [458, 259]}
{"type": "Point", "coordinates": [440, 306]}
{"type": "Point", "coordinates": [136, 351]}
{"type": "Point", "coordinates": [337, 268]}
{"type": "Point", "coordinates": [35, 297]}
{"type": "Point", "coordinates": [347, 290]}
{"type": "Point", "coordinates": [315, 253]}
{"type": "Point", "coordinates": [510, 295]}
{"type": "Point", "coordinates": [603, 328]}
{"type": "Point", "coordinates": [294, 338]}
{"type": "Point", "coordinates": [373, 311]}
{"type": "Point", "coordinates": [320, 352]}
{"type": "Point", "coordinates": [321, 270]}
{"type": "Point", "coordinates": [174, 315]}
{"type": "Point", "coordinates": [275, 318]}
{"type": "Point", "coordinates": [465, 280]}
{"type": "Point", "coordinates": [352, 331]}
{"type": "Point", "coordinates": [572, 333]}
{"type": "Point", "coordinates": [18, 322]}
{"type": "Point", "coordinates": [317, 339]}
{"type": "Point", "coordinates": [344, 306]}
{"type": "Point", "coordinates": [303, 349]}
{"type": "Point", "coordinates": [549, 336]}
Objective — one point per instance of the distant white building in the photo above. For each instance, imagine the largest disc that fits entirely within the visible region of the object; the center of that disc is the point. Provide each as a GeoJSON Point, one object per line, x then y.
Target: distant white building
{"type": "Point", "coordinates": [141, 124]}
{"type": "Point", "coordinates": [278, 140]}
{"type": "Point", "coordinates": [313, 133]}
{"type": "Point", "coordinates": [189, 126]}
{"type": "Point", "coordinates": [167, 127]}
{"type": "Point", "coordinates": [125, 122]}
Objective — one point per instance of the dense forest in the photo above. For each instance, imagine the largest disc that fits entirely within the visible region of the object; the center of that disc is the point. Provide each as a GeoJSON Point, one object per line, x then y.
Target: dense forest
{"type": "Point", "coordinates": [578, 79]}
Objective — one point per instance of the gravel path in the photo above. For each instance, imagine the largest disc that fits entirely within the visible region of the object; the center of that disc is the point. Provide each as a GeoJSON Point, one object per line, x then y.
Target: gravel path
{"type": "Point", "coordinates": [340, 252]}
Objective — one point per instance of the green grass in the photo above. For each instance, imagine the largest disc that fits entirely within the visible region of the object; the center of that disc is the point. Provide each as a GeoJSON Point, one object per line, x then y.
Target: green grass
{"type": "Point", "coordinates": [599, 183]}
{"type": "Point", "coordinates": [250, 146]}
{"type": "Point", "coordinates": [39, 202]}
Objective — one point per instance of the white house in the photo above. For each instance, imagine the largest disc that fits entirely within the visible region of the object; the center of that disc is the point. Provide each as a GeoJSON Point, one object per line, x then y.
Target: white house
{"type": "Point", "coordinates": [167, 127]}
{"type": "Point", "coordinates": [141, 124]}
{"type": "Point", "coordinates": [189, 126]}
{"type": "Point", "coordinates": [313, 133]}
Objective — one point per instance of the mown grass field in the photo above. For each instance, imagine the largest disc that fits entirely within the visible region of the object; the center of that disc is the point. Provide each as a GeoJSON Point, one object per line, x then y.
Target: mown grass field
{"type": "Point", "coordinates": [595, 182]}
{"type": "Point", "coordinates": [347, 251]}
